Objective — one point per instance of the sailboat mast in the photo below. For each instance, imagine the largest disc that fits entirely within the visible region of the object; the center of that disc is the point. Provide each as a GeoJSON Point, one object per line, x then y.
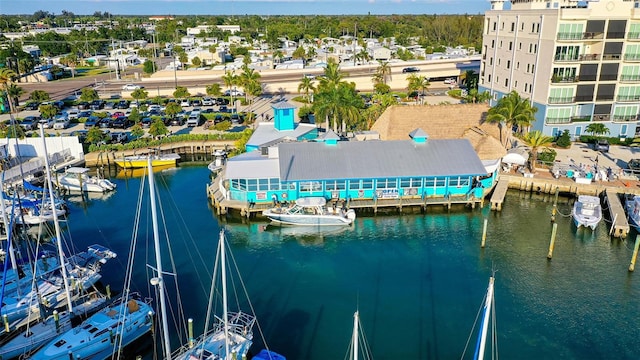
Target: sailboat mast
{"type": "Point", "coordinates": [56, 224]}
{"type": "Point", "coordinates": [156, 241]}
{"type": "Point", "coordinates": [223, 264]}
{"type": "Point", "coordinates": [356, 322]}
{"type": "Point", "coordinates": [5, 221]}
{"type": "Point", "coordinates": [482, 340]}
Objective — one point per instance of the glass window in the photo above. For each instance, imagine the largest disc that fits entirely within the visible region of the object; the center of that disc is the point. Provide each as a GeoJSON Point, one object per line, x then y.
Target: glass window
{"type": "Point", "coordinates": [354, 184]}
{"type": "Point", "coordinates": [253, 185]}
{"type": "Point", "coordinates": [243, 184]}
{"type": "Point", "coordinates": [263, 184]}
{"type": "Point", "coordinates": [274, 184]}
{"type": "Point", "coordinates": [367, 184]}
{"type": "Point", "coordinates": [416, 182]}
{"type": "Point", "coordinates": [405, 183]}
{"type": "Point", "coordinates": [341, 184]}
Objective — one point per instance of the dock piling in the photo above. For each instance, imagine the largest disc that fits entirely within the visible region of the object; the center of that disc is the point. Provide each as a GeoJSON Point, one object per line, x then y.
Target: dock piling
{"type": "Point", "coordinates": [484, 233]}
{"type": "Point", "coordinates": [632, 266]}
{"type": "Point", "coordinates": [553, 240]}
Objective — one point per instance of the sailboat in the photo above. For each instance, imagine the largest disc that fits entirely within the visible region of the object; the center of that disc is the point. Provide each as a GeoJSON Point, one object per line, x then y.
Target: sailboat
{"type": "Point", "coordinates": [488, 314]}
{"type": "Point", "coordinates": [358, 341]}
{"type": "Point", "coordinates": [104, 332]}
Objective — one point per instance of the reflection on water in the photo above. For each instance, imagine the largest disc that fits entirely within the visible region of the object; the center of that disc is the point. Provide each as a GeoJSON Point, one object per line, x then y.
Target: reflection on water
{"type": "Point", "coordinates": [136, 173]}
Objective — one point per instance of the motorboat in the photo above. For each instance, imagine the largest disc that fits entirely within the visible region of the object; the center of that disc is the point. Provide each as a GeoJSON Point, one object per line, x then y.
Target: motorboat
{"type": "Point", "coordinates": [633, 211]}
{"type": "Point", "coordinates": [310, 211]}
{"type": "Point", "coordinates": [140, 161]}
{"type": "Point", "coordinates": [78, 179]}
{"type": "Point", "coordinates": [220, 159]}
{"type": "Point", "coordinates": [587, 211]}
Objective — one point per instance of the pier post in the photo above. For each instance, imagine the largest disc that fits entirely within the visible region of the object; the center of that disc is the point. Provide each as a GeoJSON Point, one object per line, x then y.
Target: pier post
{"type": "Point", "coordinates": [635, 254]}
{"type": "Point", "coordinates": [555, 206]}
{"type": "Point", "coordinates": [553, 240]}
{"type": "Point", "coordinates": [484, 233]}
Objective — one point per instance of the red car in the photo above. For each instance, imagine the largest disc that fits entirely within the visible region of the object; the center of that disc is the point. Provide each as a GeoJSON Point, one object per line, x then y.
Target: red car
{"type": "Point", "coordinates": [117, 114]}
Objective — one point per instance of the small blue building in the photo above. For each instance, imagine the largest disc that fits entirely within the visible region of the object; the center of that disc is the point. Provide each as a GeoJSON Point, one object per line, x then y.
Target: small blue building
{"type": "Point", "coordinates": [282, 128]}
{"type": "Point", "coordinates": [415, 168]}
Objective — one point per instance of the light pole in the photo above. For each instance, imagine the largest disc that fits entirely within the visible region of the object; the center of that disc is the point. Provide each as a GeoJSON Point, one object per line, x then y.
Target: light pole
{"type": "Point", "coordinates": [175, 72]}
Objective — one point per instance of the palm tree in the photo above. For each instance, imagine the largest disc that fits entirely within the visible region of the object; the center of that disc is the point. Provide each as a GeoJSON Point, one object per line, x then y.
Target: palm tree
{"type": "Point", "coordinates": [470, 79]}
{"type": "Point", "coordinates": [230, 79]}
{"type": "Point", "coordinates": [418, 83]}
{"type": "Point", "coordinates": [6, 79]}
{"type": "Point", "coordinates": [474, 96]}
{"type": "Point", "coordinates": [597, 129]}
{"type": "Point", "coordinates": [14, 92]}
{"type": "Point", "coordinates": [512, 111]}
{"type": "Point", "coordinates": [248, 78]}
{"type": "Point", "coordinates": [306, 85]}
{"type": "Point", "coordinates": [384, 71]}
{"type": "Point", "coordinates": [139, 94]}
{"type": "Point", "coordinates": [536, 140]}
{"type": "Point", "coordinates": [214, 89]}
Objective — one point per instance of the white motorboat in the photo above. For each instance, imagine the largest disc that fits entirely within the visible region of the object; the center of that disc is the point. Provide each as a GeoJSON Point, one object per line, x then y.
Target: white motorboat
{"type": "Point", "coordinates": [78, 179]}
{"type": "Point", "coordinates": [310, 211]}
{"type": "Point", "coordinates": [587, 211]}
{"type": "Point", "coordinates": [633, 211]}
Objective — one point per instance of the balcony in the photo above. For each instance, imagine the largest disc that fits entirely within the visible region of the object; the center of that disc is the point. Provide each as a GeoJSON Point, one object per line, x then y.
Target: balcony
{"type": "Point", "coordinates": [630, 78]}
{"type": "Point", "coordinates": [564, 79]}
{"type": "Point", "coordinates": [632, 57]}
{"type": "Point", "coordinates": [625, 118]}
{"type": "Point", "coordinates": [562, 120]}
{"type": "Point", "coordinates": [580, 119]}
{"type": "Point", "coordinates": [611, 56]}
{"type": "Point", "coordinates": [608, 77]}
{"type": "Point", "coordinates": [615, 35]}
{"type": "Point", "coordinates": [601, 117]}
{"type": "Point", "coordinates": [633, 36]}
{"type": "Point", "coordinates": [576, 58]}
{"type": "Point", "coordinates": [560, 100]}
{"type": "Point", "coordinates": [570, 36]}
{"type": "Point", "coordinates": [628, 98]}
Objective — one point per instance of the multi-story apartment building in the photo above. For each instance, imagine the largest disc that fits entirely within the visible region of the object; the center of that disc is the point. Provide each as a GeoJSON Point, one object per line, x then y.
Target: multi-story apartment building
{"type": "Point", "coordinates": [577, 61]}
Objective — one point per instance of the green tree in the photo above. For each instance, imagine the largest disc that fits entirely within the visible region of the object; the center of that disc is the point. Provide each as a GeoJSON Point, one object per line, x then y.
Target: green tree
{"type": "Point", "coordinates": [137, 131]}
{"type": "Point", "coordinates": [196, 61]}
{"type": "Point", "coordinates": [474, 96]}
{"type": "Point", "coordinates": [15, 92]}
{"type": "Point", "coordinates": [383, 71]}
{"type": "Point", "coordinates": [139, 94]}
{"type": "Point", "coordinates": [181, 92]}
{"type": "Point", "coordinates": [148, 66]}
{"type": "Point", "coordinates": [89, 94]}
{"type": "Point", "coordinates": [597, 129]}
{"type": "Point", "coordinates": [95, 135]}
{"type": "Point", "coordinates": [214, 90]}
{"type": "Point", "coordinates": [299, 53]}
{"type": "Point", "coordinates": [418, 83]}
{"type": "Point", "coordinates": [47, 111]}
{"type": "Point", "coordinates": [537, 141]}
{"type": "Point", "coordinates": [39, 95]}
{"type": "Point", "coordinates": [306, 85]}
{"type": "Point", "coordinates": [135, 116]}
{"type": "Point", "coordinates": [12, 130]}
{"type": "Point", "coordinates": [564, 140]}
{"type": "Point", "coordinates": [512, 111]}
{"type": "Point", "coordinates": [158, 128]}
{"type": "Point", "coordinates": [172, 109]}
{"type": "Point", "coordinates": [470, 79]}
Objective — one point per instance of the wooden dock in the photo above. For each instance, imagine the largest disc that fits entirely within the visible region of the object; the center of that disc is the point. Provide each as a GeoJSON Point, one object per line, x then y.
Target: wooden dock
{"type": "Point", "coordinates": [497, 198]}
{"type": "Point", "coordinates": [619, 223]}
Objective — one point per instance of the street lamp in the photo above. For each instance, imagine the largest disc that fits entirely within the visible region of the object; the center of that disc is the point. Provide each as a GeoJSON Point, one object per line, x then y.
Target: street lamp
{"type": "Point", "coordinates": [175, 73]}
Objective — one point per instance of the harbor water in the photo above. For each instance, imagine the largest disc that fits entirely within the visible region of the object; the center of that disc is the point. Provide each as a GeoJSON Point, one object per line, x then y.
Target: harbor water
{"type": "Point", "coordinates": [418, 280]}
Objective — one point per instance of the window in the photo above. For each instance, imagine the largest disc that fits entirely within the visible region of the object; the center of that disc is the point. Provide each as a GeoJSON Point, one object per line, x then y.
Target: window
{"type": "Point", "coordinates": [489, 78]}
{"type": "Point", "coordinates": [508, 64]}
{"type": "Point", "coordinates": [331, 185]}
{"type": "Point", "coordinates": [535, 48]}
{"type": "Point", "coordinates": [490, 61]}
{"type": "Point", "coordinates": [533, 28]}
{"type": "Point", "coordinates": [367, 184]}
{"type": "Point", "coordinates": [515, 84]}
{"type": "Point", "coordinates": [518, 65]}
{"type": "Point", "coordinates": [630, 73]}
{"type": "Point", "coordinates": [434, 182]}
{"type": "Point", "coordinates": [520, 46]}
{"type": "Point", "coordinates": [623, 130]}
{"type": "Point", "coordinates": [354, 185]}
{"type": "Point", "coordinates": [252, 185]}
{"type": "Point", "coordinates": [502, 26]}
{"type": "Point", "coordinates": [522, 26]}
{"type": "Point", "coordinates": [510, 45]}
{"type": "Point", "coordinates": [263, 184]}
{"type": "Point", "coordinates": [389, 183]}
{"type": "Point", "coordinates": [499, 61]}
{"type": "Point", "coordinates": [513, 27]}
{"type": "Point", "coordinates": [500, 44]}
{"type": "Point", "coordinates": [533, 68]}
{"type": "Point", "coordinates": [506, 82]}
{"type": "Point", "coordinates": [625, 112]}
{"type": "Point", "coordinates": [410, 182]}
{"type": "Point", "coordinates": [495, 26]}
{"type": "Point", "coordinates": [310, 186]}
{"type": "Point", "coordinates": [528, 67]}
{"type": "Point", "coordinates": [493, 44]}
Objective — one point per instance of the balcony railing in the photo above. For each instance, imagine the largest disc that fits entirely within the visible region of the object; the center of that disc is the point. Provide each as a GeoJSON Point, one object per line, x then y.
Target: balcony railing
{"type": "Point", "coordinates": [581, 36]}
{"type": "Point", "coordinates": [601, 117]}
{"type": "Point", "coordinates": [628, 98]}
{"type": "Point", "coordinates": [633, 36]}
{"type": "Point", "coordinates": [615, 35]}
{"type": "Point", "coordinates": [629, 77]}
{"type": "Point", "coordinates": [632, 57]}
{"type": "Point", "coordinates": [566, 79]}
{"type": "Point", "coordinates": [626, 117]}
{"type": "Point", "coordinates": [575, 58]}
{"type": "Point", "coordinates": [584, 98]}
{"type": "Point", "coordinates": [570, 36]}
{"type": "Point", "coordinates": [560, 120]}
{"type": "Point", "coordinates": [580, 118]}
{"type": "Point", "coordinates": [560, 100]}
{"type": "Point", "coordinates": [611, 56]}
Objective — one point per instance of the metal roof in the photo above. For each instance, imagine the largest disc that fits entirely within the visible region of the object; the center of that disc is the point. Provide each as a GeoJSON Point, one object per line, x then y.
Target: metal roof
{"type": "Point", "coordinates": [251, 165]}
{"type": "Point", "coordinates": [377, 159]}
{"type": "Point", "coordinates": [266, 133]}
{"type": "Point", "coordinates": [283, 105]}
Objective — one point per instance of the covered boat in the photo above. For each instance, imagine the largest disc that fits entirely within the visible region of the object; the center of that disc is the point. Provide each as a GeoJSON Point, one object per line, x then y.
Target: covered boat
{"type": "Point", "coordinates": [140, 161]}
{"type": "Point", "coordinates": [78, 179]}
{"type": "Point", "coordinates": [587, 211]}
{"type": "Point", "coordinates": [310, 211]}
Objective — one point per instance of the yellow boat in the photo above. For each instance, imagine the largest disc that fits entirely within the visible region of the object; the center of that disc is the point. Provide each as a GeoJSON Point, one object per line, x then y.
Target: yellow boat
{"type": "Point", "coordinates": [140, 161]}
{"type": "Point", "coordinates": [139, 172]}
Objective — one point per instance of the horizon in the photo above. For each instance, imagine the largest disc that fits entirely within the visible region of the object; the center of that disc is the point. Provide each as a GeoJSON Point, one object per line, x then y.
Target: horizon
{"type": "Point", "coordinates": [247, 7]}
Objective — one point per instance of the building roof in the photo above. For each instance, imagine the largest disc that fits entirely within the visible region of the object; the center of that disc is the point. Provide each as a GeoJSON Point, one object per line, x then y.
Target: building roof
{"type": "Point", "coordinates": [377, 159]}
{"type": "Point", "coordinates": [283, 105]}
{"type": "Point", "coordinates": [266, 133]}
{"type": "Point", "coordinates": [251, 165]}
{"type": "Point", "coordinates": [443, 122]}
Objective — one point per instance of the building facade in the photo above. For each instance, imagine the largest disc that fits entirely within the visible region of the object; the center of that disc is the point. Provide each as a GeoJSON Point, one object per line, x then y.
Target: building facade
{"type": "Point", "coordinates": [577, 62]}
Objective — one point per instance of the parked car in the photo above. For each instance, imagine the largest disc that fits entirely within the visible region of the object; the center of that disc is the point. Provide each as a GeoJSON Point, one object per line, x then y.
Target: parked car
{"type": "Point", "coordinates": [410, 69]}
{"type": "Point", "coordinates": [602, 145]}
{"type": "Point", "coordinates": [223, 109]}
{"type": "Point", "coordinates": [117, 114]}
{"type": "Point", "coordinates": [105, 123]}
{"type": "Point", "coordinates": [73, 114]}
{"type": "Point", "coordinates": [61, 122]}
{"type": "Point", "coordinates": [193, 120]}
{"type": "Point", "coordinates": [92, 121]}
{"type": "Point", "coordinates": [146, 122]}
{"type": "Point", "coordinates": [121, 122]}
{"type": "Point", "coordinates": [177, 121]}
{"type": "Point", "coordinates": [236, 118]}
{"type": "Point", "coordinates": [81, 134]}
{"type": "Point", "coordinates": [84, 114]}
{"type": "Point", "coordinates": [30, 122]}
{"type": "Point", "coordinates": [83, 105]}
{"type": "Point", "coordinates": [46, 123]}
{"type": "Point", "coordinates": [119, 137]}
{"type": "Point", "coordinates": [131, 87]}
{"type": "Point", "coordinates": [33, 105]}
{"type": "Point", "coordinates": [634, 165]}
{"type": "Point", "coordinates": [97, 105]}
{"type": "Point", "coordinates": [218, 119]}
{"type": "Point", "coordinates": [234, 92]}
{"type": "Point", "coordinates": [122, 104]}
{"type": "Point", "coordinates": [222, 101]}
{"type": "Point", "coordinates": [185, 103]}
{"type": "Point", "coordinates": [450, 81]}
{"type": "Point", "coordinates": [110, 105]}
{"type": "Point", "coordinates": [196, 102]}
{"type": "Point", "coordinates": [207, 101]}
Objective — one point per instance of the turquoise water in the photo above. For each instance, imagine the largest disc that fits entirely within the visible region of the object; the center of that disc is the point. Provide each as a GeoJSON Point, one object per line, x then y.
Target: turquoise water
{"type": "Point", "coordinates": [418, 280]}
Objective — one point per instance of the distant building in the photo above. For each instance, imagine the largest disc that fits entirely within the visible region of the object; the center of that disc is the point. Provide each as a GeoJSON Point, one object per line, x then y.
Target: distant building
{"type": "Point", "coordinates": [161, 17]}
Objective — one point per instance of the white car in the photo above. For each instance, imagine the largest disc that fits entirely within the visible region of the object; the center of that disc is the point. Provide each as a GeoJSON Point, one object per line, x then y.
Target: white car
{"type": "Point", "coordinates": [46, 123]}
{"type": "Point", "coordinates": [72, 114]}
{"type": "Point", "coordinates": [207, 101]}
{"type": "Point", "coordinates": [450, 81]}
{"type": "Point", "coordinates": [185, 103]}
{"type": "Point", "coordinates": [234, 92]}
{"type": "Point", "coordinates": [131, 87]}
{"type": "Point", "coordinates": [61, 122]}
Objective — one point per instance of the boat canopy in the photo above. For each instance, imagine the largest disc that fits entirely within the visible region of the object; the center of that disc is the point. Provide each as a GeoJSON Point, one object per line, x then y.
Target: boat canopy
{"type": "Point", "coordinates": [30, 187]}
{"type": "Point", "coordinates": [311, 201]}
{"type": "Point", "coordinates": [77, 170]}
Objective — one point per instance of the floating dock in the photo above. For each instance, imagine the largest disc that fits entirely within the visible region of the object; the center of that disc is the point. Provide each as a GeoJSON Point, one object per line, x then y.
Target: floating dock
{"type": "Point", "coordinates": [619, 223]}
{"type": "Point", "coordinates": [497, 198]}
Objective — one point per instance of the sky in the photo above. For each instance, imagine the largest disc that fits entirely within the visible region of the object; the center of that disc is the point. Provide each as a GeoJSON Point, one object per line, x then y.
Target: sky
{"type": "Point", "coordinates": [246, 7]}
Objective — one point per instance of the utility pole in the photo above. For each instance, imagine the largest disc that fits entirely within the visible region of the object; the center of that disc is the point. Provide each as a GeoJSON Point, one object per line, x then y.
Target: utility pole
{"type": "Point", "coordinates": [355, 39]}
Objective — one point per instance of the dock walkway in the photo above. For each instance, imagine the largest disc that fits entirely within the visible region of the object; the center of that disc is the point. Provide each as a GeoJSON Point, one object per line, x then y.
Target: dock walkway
{"type": "Point", "coordinates": [619, 223]}
{"type": "Point", "coordinates": [497, 198]}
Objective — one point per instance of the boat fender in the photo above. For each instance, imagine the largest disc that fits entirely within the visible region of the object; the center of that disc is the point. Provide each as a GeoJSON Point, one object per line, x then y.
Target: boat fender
{"type": "Point", "coordinates": [284, 195]}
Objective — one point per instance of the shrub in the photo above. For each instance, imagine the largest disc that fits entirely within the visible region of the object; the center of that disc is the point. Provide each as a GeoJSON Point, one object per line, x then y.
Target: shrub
{"type": "Point", "coordinates": [564, 141]}
{"type": "Point", "coordinates": [547, 156]}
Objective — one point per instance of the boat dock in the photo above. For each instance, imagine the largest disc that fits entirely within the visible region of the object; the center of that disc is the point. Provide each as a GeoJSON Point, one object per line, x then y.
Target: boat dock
{"type": "Point", "coordinates": [619, 223]}
{"type": "Point", "coordinates": [497, 198]}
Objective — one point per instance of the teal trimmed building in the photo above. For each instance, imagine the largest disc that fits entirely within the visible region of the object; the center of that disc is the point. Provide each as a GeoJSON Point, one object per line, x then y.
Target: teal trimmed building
{"type": "Point", "coordinates": [416, 168]}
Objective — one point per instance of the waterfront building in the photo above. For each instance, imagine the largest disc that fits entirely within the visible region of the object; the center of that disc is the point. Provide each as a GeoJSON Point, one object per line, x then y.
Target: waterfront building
{"type": "Point", "coordinates": [282, 128]}
{"type": "Point", "coordinates": [578, 62]}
